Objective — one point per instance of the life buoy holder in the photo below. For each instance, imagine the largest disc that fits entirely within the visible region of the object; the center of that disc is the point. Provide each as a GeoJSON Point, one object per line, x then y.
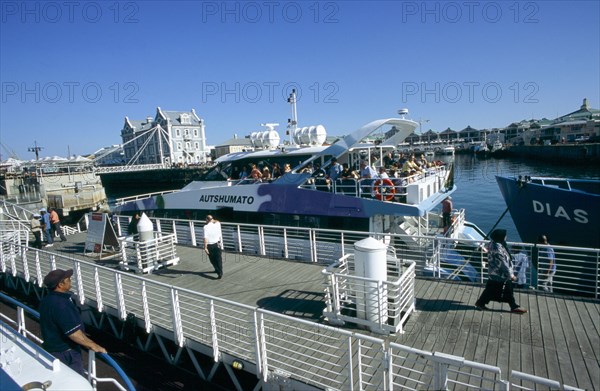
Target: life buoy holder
{"type": "Point", "coordinates": [384, 189]}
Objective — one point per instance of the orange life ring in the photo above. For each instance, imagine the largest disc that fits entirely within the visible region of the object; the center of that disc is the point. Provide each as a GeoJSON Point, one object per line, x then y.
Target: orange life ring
{"type": "Point", "coordinates": [388, 194]}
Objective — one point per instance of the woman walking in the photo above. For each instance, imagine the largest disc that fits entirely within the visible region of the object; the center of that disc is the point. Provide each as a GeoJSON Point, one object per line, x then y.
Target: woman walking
{"type": "Point", "coordinates": [499, 286]}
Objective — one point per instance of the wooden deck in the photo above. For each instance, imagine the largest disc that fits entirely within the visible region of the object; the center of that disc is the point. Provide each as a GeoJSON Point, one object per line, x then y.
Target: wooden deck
{"type": "Point", "coordinates": [559, 338]}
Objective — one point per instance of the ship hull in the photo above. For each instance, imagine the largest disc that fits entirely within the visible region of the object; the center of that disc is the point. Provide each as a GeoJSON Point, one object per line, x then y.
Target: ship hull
{"type": "Point", "coordinates": [566, 217]}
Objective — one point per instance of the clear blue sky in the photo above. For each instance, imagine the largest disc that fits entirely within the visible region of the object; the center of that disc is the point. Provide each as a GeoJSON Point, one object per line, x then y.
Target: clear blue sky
{"type": "Point", "coordinates": [71, 72]}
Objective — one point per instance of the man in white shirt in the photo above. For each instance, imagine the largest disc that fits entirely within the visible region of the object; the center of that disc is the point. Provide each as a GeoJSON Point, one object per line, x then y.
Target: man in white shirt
{"type": "Point", "coordinates": [213, 244]}
{"type": "Point", "coordinates": [366, 171]}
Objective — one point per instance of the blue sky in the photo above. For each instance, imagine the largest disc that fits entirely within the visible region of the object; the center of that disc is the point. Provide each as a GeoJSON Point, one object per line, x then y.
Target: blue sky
{"type": "Point", "coordinates": [71, 71]}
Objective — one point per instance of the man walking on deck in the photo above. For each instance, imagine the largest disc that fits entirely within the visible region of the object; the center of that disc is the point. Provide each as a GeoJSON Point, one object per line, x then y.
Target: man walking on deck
{"type": "Point", "coordinates": [213, 244]}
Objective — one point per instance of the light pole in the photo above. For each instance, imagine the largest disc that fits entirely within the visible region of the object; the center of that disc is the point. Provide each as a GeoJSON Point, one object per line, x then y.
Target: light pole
{"type": "Point", "coordinates": [36, 149]}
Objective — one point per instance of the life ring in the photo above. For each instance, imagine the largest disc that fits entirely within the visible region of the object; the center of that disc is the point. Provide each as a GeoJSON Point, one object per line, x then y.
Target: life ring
{"type": "Point", "coordinates": [388, 191]}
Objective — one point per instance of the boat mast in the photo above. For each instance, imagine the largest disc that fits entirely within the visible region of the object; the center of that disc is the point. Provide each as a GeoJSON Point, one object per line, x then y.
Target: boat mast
{"type": "Point", "coordinates": [292, 122]}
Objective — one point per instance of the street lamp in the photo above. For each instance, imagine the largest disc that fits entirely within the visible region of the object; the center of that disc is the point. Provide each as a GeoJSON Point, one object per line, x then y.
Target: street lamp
{"type": "Point", "coordinates": [36, 149]}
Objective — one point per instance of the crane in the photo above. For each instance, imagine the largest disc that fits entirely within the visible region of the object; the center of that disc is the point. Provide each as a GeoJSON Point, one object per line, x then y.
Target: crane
{"type": "Point", "coordinates": [11, 153]}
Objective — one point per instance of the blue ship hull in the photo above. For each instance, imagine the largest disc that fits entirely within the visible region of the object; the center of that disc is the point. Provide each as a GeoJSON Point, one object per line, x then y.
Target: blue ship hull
{"type": "Point", "coordinates": [566, 211]}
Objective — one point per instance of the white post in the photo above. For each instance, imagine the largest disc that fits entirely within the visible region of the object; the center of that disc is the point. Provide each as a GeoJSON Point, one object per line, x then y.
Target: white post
{"type": "Point", "coordinates": [370, 263]}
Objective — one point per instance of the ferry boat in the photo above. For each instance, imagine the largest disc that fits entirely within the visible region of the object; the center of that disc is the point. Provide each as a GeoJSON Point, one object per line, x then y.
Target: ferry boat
{"type": "Point", "coordinates": [403, 205]}
{"type": "Point", "coordinates": [567, 211]}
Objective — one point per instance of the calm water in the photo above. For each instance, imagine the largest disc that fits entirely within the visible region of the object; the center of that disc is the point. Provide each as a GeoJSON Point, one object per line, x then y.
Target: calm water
{"type": "Point", "coordinates": [478, 192]}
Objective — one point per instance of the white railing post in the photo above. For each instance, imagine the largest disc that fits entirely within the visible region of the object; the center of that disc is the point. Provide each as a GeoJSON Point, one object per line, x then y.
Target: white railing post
{"type": "Point", "coordinates": [21, 325]}
{"type": "Point", "coordinates": [176, 313]}
{"type": "Point", "coordinates": [263, 346]}
{"type": "Point", "coordinates": [213, 330]}
{"type": "Point", "coordinates": [120, 297]}
{"type": "Point", "coordinates": [350, 364]}
{"type": "Point", "coordinates": [99, 301]}
{"type": "Point", "coordinates": [313, 245]}
{"type": "Point", "coordinates": [13, 259]}
{"type": "Point", "coordinates": [146, 309]}
{"type": "Point", "coordinates": [52, 261]}
{"type": "Point", "coordinates": [257, 344]}
{"type": "Point", "coordinates": [441, 361]}
{"type": "Point", "coordinates": [239, 237]}
{"type": "Point", "coordinates": [24, 258]}
{"type": "Point", "coordinates": [38, 268]}
{"type": "Point", "coordinates": [175, 231]}
{"type": "Point", "coordinates": [261, 240]}
{"type": "Point", "coordinates": [193, 233]}
{"type": "Point", "coordinates": [286, 254]}
{"type": "Point", "coordinates": [80, 291]}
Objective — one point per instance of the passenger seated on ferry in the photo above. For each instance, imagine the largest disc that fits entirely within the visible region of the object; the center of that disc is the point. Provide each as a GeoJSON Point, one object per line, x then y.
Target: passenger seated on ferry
{"type": "Point", "coordinates": [347, 173]}
{"type": "Point", "coordinates": [388, 159]}
{"type": "Point", "coordinates": [266, 174]}
{"type": "Point", "coordinates": [235, 173]}
{"type": "Point", "coordinates": [244, 174]}
{"type": "Point", "coordinates": [402, 159]}
{"type": "Point", "coordinates": [382, 173]}
{"type": "Point", "coordinates": [287, 168]}
{"type": "Point", "coordinates": [367, 175]}
{"type": "Point", "coordinates": [321, 180]}
{"type": "Point", "coordinates": [276, 171]}
{"type": "Point", "coordinates": [255, 173]}
{"type": "Point", "coordinates": [346, 183]}
{"type": "Point", "coordinates": [410, 167]}
{"type": "Point", "coordinates": [366, 171]}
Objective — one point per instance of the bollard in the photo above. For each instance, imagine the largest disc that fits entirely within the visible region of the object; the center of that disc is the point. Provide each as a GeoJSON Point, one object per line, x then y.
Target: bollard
{"type": "Point", "coordinates": [371, 296]}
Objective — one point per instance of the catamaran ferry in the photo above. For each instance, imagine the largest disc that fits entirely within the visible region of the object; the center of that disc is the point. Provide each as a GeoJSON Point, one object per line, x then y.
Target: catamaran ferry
{"type": "Point", "coordinates": [384, 201]}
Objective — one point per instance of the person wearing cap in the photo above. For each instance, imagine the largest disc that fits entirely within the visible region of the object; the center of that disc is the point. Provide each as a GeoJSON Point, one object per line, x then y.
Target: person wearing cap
{"type": "Point", "coordinates": [36, 230]}
{"type": "Point", "coordinates": [46, 226]}
{"type": "Point", "coordinates": [62, 328]}
{"type": "Point", "coordinates": [213, 244]}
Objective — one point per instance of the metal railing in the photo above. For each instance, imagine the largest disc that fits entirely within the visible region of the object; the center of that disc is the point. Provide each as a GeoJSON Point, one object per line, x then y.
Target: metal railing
{"type": "Point", "coordinates": [282, 346]}
{"type": "Point", "coordinates": [383, 306]}
{"type": "Point", "coordinates": [578, 269]}
{"type": "Point", "coordinates": [149, 255]}
{"type": "Point", "coordinates": [91, 371]}
{"type": "Point", "coordinates": [14, 211]}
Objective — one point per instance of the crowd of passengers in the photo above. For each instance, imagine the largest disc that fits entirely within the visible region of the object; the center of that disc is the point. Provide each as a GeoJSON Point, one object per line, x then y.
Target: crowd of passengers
{"type": "Point", "coordinates": [402, 166]}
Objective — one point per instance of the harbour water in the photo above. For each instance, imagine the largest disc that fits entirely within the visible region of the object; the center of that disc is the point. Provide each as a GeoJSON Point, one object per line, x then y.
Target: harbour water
{"type": "Point", "coordinates": [478, 191]}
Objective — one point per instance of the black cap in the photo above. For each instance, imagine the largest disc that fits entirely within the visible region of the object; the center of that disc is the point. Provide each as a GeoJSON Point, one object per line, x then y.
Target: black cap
{"type": "Point", "coordinates": [54, 278]}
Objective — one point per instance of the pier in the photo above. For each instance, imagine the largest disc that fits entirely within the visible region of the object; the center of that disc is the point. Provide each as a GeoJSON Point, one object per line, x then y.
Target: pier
{"type": "Point", "coordinates": [266, 314]}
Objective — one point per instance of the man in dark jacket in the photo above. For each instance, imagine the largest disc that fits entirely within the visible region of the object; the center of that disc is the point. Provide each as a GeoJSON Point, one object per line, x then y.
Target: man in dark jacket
{"type": "Point", "coordinates": [61, 324]}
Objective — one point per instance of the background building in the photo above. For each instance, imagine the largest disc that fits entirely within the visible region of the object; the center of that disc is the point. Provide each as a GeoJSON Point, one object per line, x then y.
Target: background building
{"type": "Point", "coordinates": [171, 137]}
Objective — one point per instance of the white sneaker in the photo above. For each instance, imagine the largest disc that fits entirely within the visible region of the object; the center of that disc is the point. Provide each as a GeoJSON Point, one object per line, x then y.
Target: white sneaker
{"type": "Point", "coordinates": [49, 245]}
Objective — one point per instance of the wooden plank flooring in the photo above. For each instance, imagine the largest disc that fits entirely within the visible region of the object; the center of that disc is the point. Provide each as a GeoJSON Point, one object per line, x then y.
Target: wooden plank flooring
{"type": "Point", "coordinates": [558, 338]}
